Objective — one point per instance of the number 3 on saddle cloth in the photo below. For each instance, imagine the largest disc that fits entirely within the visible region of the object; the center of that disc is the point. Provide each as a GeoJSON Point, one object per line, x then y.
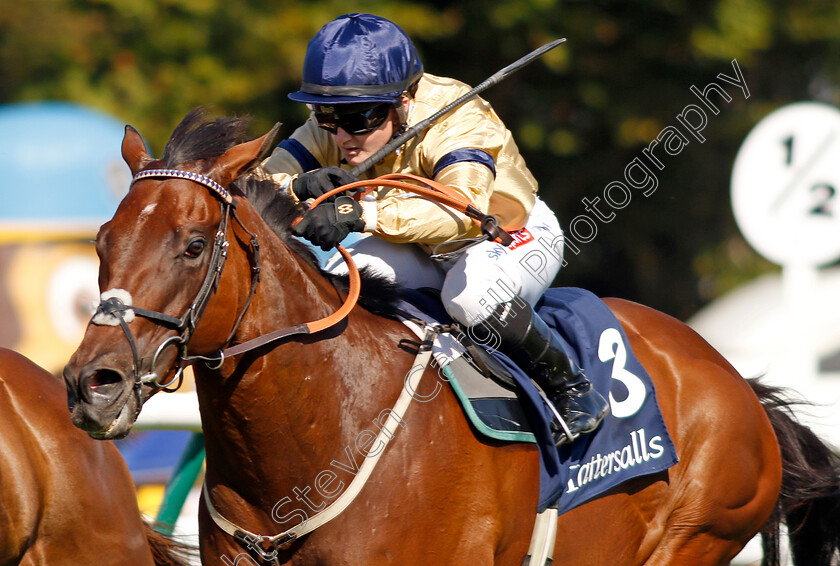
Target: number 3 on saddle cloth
{"type": "Point", "coordinates": [631, 441]}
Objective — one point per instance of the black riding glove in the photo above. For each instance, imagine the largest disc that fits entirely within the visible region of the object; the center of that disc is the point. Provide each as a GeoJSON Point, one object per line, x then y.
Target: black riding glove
{"type": "Point", "coordinates": [313, 184]}
{"type": "Point", "coordinates": [329, 223]}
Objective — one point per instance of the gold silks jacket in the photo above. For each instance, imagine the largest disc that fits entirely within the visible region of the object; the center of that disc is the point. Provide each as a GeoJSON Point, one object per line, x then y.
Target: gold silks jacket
{"type": "Point", "coordinates": [469, 149]}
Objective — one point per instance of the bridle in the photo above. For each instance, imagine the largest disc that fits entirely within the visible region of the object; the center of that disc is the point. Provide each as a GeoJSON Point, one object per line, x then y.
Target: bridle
{"type": "Point", "coordinates": [115, 307]}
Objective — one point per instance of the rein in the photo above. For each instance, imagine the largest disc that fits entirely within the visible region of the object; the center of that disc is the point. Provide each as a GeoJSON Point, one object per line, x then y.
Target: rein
{"type": "Point", "coordinates": [431, 190]}
{"type": "Point", "coordinates": [114, 308]}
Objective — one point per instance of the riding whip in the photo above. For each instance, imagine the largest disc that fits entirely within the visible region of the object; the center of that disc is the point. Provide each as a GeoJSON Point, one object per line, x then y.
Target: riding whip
{"type": "Point", "coordinates": [421, 126]}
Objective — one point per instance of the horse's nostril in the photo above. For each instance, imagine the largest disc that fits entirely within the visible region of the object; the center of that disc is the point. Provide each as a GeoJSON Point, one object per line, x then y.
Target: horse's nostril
{"type": "Point", "coordinates": [103, 380]}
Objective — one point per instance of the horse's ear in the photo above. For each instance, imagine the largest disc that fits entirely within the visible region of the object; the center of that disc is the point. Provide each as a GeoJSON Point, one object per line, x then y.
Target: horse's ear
{"type": "Point", "coordinates": [240, 159]}
{"type": "Point", "coordinates": [134, 150]}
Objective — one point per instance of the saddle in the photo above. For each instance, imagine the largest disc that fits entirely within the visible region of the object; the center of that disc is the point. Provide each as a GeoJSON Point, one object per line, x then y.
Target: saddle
{"type": "Point", "coordinates": [502, 403]}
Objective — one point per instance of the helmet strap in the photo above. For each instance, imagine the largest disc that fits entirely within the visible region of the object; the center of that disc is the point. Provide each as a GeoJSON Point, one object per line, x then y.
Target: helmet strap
{"type": "Point", "coordinates": [402, 113]}
{"type": "Point", "coordinates": [402, 117]}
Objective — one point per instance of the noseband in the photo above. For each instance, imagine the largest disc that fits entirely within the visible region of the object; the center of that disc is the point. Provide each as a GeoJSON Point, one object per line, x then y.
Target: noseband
{"type": "Point", "coordinates": [114, 310]}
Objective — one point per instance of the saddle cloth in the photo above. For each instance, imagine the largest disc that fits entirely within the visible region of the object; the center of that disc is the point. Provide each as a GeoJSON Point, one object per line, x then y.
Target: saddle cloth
{"type": "Point", "coordinates": [632, 440]}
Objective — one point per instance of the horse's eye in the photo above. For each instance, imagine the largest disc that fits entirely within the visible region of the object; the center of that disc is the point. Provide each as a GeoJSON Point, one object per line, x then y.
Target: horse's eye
{"type": "Point", "coordinates": [195, 248]}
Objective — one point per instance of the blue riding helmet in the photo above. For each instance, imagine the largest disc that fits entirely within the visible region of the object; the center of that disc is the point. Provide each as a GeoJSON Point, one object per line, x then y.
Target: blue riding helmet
{"type": "Point", "coordinates": [358, 58]}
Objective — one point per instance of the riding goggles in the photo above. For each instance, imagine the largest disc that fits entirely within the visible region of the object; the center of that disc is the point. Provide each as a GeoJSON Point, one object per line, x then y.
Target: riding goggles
{"type": "Point", "coordinates": [355, 119]}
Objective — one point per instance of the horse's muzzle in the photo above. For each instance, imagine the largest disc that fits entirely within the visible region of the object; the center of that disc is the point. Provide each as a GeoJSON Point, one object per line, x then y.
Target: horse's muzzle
{"type": "Point", "coordinates": [100, 400]}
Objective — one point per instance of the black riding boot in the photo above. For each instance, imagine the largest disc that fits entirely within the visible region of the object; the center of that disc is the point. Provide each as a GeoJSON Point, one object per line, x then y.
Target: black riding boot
{"type": "Point", "coordinates": [529, 342]}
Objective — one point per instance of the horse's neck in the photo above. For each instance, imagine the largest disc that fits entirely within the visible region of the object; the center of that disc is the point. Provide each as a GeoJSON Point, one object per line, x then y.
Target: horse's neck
{"type": "Point", "coordinates": [279, 419]}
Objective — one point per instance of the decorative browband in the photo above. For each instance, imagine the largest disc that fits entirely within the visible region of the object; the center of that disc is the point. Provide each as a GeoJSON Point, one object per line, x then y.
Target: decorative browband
{"type": "Point", "coordinates": [190, 176]}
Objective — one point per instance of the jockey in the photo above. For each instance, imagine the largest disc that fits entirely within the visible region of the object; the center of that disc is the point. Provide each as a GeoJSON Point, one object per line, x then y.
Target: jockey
{"type": "Point", "coordinates": [364, 82]}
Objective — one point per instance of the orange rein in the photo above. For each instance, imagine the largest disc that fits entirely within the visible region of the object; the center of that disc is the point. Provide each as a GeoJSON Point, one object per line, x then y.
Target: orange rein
{"type": "Point", "coordinates": [430, 189]}
{"type": "Point", "coordinates": [349, 302]}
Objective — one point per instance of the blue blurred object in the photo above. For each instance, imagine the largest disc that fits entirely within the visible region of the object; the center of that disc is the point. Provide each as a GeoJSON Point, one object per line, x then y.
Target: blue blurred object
{"type": "Point", "coordinates": [61, 166]}
{"type": "Point", "coordinates": [152, 455]}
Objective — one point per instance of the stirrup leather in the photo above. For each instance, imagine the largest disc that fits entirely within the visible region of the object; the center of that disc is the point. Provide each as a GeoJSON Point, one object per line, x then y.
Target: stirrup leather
{"type": "Point", "coordinates": [529, 341]}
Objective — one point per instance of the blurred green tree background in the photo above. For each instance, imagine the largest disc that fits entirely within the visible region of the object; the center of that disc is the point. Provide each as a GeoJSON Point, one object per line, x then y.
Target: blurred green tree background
{"type": "Point", "coordinates": [580, 115]}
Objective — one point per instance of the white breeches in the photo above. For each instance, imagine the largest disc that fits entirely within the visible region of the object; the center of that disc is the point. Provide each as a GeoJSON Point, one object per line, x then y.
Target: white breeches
{"type": "Point", "coordinates": [474, 283]}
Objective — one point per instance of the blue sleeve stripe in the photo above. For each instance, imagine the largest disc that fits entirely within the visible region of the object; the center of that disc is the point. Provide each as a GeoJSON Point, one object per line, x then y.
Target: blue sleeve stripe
{"type": "Point", "coordinates": [465, 154]}
{"type": "Point", "coordinates": [307, 160]}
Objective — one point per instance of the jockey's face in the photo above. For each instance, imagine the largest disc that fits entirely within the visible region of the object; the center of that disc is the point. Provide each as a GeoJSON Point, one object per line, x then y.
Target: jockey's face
{"type": "Point", "coordinates": [356, 148]}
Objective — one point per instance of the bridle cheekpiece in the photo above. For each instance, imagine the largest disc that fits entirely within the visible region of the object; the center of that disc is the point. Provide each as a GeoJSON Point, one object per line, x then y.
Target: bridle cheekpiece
{"type": "Point", "coordinates": [115, 308]}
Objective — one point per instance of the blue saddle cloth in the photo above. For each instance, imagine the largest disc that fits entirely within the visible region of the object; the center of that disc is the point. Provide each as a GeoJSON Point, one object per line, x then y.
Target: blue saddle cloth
{"type": "Point", "coordinates": [632, 440]}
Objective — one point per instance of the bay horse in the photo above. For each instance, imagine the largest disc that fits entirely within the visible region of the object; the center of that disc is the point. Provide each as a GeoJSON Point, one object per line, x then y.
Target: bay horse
{"type": "Point", "coordinates": [64, 498]}
{"type": "Point", "coordinates": [282, 423]}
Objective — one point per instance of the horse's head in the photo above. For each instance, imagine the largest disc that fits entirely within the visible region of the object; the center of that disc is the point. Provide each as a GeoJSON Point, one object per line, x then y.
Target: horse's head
{"type": "Point", "coordinates": [161, 258]}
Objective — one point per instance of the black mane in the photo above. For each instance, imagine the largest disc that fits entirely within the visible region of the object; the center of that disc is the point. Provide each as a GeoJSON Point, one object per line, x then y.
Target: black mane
{"type": "Point", "coordinates": [276, 207]}
{"type": "Point", "coordinates": [197, 137]}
